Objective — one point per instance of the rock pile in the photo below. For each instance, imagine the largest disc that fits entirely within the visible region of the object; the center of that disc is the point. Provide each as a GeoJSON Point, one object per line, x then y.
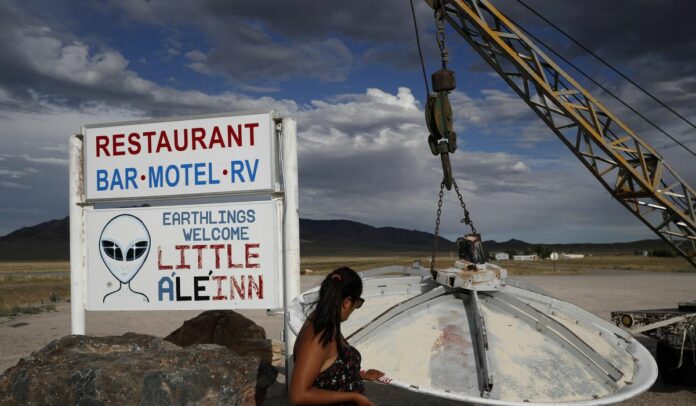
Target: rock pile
{"type": "Point", "coordinates": [134, 369]}
{"type": "Point", "coordinates": [231, 330]}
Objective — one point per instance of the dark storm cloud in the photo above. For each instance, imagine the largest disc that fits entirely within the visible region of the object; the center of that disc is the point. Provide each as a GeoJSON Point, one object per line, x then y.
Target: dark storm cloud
{"type": "Point", "coordinates": [619, 29]}
{"type": "Point", "coordinates": [290, 39]}
{"type": "Point", "coordinates": [362, 20]}
{"type": "Point", "coordinates": [653, 42]}
{"type": "Point", "coordinates": [626, 31]}
{"type": "Point", "coordinates": [398, 56]}
{"type": "Point", "coordinates": [245, 52]}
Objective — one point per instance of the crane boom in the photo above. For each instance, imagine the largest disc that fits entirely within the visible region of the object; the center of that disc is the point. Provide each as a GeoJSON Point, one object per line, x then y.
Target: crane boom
{"type": "Point", "coordinates": [627, 166]}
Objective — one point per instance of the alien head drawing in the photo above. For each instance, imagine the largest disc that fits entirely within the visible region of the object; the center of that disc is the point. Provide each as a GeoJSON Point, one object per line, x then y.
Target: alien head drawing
{"type": "Point", "coordinates": [124, 245]}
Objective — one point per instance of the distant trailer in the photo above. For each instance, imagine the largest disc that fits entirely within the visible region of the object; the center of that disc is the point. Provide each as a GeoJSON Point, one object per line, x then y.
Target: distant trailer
{"type": "Point", "coordinates": [525, 257]}
{"type": "Point", "coordinates": [572, 256]}
{"type": "Point", "coordinates": [502, 256]}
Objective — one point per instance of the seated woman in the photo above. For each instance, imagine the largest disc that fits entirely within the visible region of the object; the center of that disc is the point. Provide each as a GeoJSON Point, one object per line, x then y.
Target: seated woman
{"type": "Point", "coordinates": [327, 369]}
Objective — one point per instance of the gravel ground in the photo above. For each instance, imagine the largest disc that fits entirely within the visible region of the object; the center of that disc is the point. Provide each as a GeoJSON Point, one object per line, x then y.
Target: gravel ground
{"type": "Point", "coordinates": [599, 292]}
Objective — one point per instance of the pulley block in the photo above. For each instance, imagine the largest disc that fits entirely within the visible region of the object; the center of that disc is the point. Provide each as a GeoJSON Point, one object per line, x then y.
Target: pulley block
{"type": "Point", "coordinates": [442, 139]}
{"type": "Point", "coordinates": [438, 118]}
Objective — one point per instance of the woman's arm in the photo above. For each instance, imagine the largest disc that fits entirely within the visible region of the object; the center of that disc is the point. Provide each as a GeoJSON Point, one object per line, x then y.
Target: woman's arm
{"type": "Point", "coordinates": [309, 357]}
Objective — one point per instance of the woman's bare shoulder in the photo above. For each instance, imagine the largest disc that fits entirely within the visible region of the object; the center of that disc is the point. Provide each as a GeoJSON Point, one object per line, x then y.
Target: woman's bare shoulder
{"type": "Point", "coordinates": [307, 338]}
{"type": "Point", "coordinates": [307, 333]}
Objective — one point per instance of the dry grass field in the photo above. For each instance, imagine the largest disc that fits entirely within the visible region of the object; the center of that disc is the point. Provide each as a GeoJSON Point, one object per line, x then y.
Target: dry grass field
{"type": "Point", "coordinates": [323, 264]}
{"type": "Point", "coordinates": [598, 262]}
{"type": "Point", "coordinates": [29, 287]}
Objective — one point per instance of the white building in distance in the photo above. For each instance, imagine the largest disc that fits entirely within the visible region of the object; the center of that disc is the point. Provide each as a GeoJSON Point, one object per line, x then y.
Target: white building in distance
{"type": "Point", "coordinates": [502, 256]}
{"type": "Point", "coordinates": [525, 257]}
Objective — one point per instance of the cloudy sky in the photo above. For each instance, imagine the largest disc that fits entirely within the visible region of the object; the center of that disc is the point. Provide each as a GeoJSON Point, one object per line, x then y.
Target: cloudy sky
{"type": "Point", "coordinates": [349, 72]}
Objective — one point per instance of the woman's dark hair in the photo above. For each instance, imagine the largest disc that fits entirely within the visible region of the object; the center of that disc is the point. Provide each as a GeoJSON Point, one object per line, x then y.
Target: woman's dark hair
{"type": "Point", "coordinates": [326, 320]}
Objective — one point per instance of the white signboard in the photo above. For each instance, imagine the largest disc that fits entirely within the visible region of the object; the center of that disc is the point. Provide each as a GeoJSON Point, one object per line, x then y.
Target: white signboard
{"type": "Point", "coordinates": [217, 256]}
{"type": "Point", "coordinates": [185, 157]}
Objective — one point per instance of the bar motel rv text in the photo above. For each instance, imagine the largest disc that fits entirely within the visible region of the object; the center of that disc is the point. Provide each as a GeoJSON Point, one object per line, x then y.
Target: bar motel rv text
{"type": "Point", "coordinates": [173, 175]}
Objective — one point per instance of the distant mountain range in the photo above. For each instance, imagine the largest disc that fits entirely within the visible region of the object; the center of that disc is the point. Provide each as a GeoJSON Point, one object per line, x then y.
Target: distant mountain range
{"type": "Point", "coordinates": [319, 237]}
{"type": "Point", "coordinates": [51, 241]}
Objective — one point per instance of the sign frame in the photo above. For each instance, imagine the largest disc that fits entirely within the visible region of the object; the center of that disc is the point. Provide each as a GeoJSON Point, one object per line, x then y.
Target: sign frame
{"type": "Point", "coordinates": [285, 191]}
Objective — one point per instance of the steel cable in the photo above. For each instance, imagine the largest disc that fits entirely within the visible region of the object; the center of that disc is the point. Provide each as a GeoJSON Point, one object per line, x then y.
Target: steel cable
{"type": "Point", "coordinates": [609, 92]}
{"type": "Point", "coordinates": [420, 52]}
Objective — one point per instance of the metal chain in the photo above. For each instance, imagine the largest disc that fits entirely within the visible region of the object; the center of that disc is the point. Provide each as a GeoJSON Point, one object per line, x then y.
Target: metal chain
{"type": "Point", "coordinates": [466, 219]}
{"type": "Point", "coordinates": [440, 23]}
{"type": "Point", "coordinates": [437, 226]}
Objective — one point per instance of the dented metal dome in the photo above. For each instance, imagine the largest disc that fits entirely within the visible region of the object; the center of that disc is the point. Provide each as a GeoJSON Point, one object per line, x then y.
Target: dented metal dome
{"type": "Point", "coordinates": [477, 337]}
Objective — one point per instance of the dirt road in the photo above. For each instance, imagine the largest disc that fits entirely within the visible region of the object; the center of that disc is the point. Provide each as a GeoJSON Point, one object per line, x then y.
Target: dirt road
{"type": "Point", "coordinates": [599, 292]}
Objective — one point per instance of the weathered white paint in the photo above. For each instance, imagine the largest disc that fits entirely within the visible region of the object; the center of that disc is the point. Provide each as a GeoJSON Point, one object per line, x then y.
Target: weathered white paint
{"type": "Point", "coordinates": [291, 238]}
{"type": "Point", "coordinates": [77, 282]}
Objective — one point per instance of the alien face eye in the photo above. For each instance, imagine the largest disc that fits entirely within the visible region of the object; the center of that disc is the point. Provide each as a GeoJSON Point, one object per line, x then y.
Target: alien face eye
{"type": "Point", "coordinates": [112, 250]}
{"type": "Point", "coordinates": [136, 250]}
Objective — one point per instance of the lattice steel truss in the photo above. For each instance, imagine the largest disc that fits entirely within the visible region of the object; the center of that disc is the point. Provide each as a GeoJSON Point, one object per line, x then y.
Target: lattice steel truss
{"type": "Point", "coordinates": [628, 167]}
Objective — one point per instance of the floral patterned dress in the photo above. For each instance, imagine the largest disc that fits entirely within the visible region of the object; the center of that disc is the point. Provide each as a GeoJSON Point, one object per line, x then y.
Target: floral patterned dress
{"type": "Point", "coordinates": [343, 375]}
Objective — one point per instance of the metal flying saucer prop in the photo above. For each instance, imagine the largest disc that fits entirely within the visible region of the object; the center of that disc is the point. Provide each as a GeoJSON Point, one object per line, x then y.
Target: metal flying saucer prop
{"type": "Point", "coordinates": [472, 335]}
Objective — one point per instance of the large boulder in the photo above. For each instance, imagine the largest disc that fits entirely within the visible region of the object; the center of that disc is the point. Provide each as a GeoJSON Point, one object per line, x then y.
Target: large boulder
{"type": "Point", "coordinates": [229, 329]}
{"type": "Point", "coordinates": [134, 369]}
